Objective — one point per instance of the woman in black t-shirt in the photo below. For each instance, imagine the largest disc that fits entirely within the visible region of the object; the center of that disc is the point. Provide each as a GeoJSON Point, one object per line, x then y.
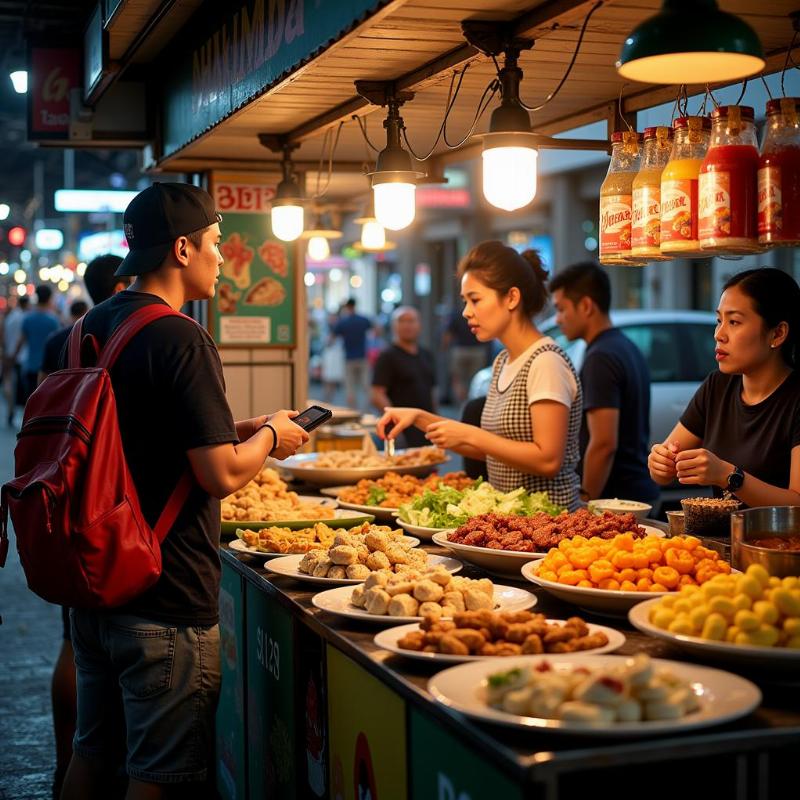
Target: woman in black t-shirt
{"type": "Point", "coordinates": [741, 430]}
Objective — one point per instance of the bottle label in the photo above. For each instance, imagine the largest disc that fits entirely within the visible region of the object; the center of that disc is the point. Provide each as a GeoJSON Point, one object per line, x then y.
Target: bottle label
{"type": "Point", "coordinates": [615, 223]}
{"type": "Point", "coordinates": [770, 206]}
{"type": "Point", "coordinates": [646, 226]}
{"type": "Point", "coordinates": [678, 210]}
{"type": "Point", "coordinates": [715, 205]}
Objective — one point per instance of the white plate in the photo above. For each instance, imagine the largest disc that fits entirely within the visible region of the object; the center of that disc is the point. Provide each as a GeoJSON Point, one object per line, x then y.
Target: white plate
{"type": "Point", "coordinates": [337, 601]}
{"type": "Point", "coordinates": [772, 658]}
{"type": "Point", "coordinates": [388, 641]}
{"type": "Point", "coordinates": [418, 530]}
{"type": "Point", "coordinates": [600, 601]}
{"type": "Point", "coordinates": [502, 562]}
{"type": "Point", "coordinates": [723, 697]}
{"type": "Point", "coordinates": [301, 467]}
{"type": "Point", "coordinates": [379, 512]}
{"type": "Point", "coordinates": [287, 565]}
{"type": "Point", "coordinates": [240, 547]}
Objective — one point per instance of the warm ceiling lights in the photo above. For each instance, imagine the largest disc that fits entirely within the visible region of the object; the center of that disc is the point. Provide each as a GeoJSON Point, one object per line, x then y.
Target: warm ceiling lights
{"type": "Point", "coordinates": [373, 234]}
{"type": "Point", "coordinates": [318, 240]}
{"type": "Point", "coordinates": [509, 155]}
{"type": "Point", "coordinates": [691, 41]}
{"type": "Point", "coordinates": [287, 206]}
{"type": "Point", "coordinates": [394, 179]}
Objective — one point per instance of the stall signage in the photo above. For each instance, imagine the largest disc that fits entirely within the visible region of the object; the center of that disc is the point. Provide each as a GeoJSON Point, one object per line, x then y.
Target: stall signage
{"type": "Point", "coordinates": [231, 764]}
{"type": "Point", "coordinates": [367, 725]}
{"type": "Point", "coordinates": [456, 772]}
{"type": "Point", "coordinates": [271, 716]}
{"type": "Point", "coordinates": [255, 298]}
{"type": "Point", "coordinates": [236, 51]}
{"type": "Point", "coordinates": [54, 73]}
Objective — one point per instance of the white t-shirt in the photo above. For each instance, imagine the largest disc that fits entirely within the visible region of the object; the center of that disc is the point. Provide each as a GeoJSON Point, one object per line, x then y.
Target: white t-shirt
{"type": "Point", "coordinates": [549, 377]}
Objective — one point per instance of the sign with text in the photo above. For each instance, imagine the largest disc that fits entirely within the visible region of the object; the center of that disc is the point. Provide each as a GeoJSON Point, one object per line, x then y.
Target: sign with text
{"type": "Point", "coordinates": [271, 717]}
{"type": "Point", "coordinates": [457, 772]}
{"type": "Point", "coordinates": [231, 764]}
{"type": "Point", "coordinates": [54, 73]}
{"type": "Point", "coordinates": [255, 299]}
{"type": "Point", "coordinates": [367, 725]}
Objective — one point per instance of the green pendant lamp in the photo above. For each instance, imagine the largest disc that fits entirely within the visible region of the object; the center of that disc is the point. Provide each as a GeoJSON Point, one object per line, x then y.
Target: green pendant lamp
{"type": "Point", "coordinates": [691, 41]}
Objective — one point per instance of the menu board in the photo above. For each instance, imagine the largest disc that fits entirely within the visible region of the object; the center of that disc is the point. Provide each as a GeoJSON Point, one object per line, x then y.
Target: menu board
{"type": "Point", "coordinates": [456, 772]}
{"type": "Point", "coordinates": [271, 733]}
{"type": "Point", "coordinates": [230, 710]}
{"type": "Point", "coordinates": [255, 299]}
{"type": "Point", "coordinates": [367, 727]}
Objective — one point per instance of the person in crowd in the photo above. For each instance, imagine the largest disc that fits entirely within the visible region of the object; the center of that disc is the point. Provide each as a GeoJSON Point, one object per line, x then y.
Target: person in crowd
{"type": "Point", "coordinates": [161, 650]}
{"type": "Point", "coordinates": [532, 416]}
{"type": "Point", "coordinates": [36, 327]}
{"type": "Point", "coordinates": [55, 341]}
{"type": "Point", "coordinates": [405, 374]}
{"type": "Point", "coordinates": [615, 434]}
{"type": "Point", "coordinates": [332, 370]}
{"type": "Point", "coordinates": [467, 354]}
{"type": "Point", "coordinates": [352, 328]}
{"type": "Point", "coordinates": [741, 431]}
{"type": "Point", "coordinates": [14, 359]}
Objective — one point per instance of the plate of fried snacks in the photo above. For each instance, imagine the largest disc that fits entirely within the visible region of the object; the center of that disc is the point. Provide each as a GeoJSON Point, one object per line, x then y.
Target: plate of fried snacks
{"type": "Point", "coordinates": [412, 595]}
{"type": "Point", "coordinates": [288, 541]}
{"type": "Point", "coordinates": [595, 695]}
{"type": "Point", "coordinates": [475, 635]}
{"type": "Point", "coordinates": [267, 501]}
{"type": "Point", "coordinates": [335, 467]}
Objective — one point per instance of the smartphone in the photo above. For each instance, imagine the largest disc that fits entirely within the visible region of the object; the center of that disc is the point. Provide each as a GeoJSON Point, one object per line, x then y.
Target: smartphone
{"type": "Point", "coordinates": [313, 417]}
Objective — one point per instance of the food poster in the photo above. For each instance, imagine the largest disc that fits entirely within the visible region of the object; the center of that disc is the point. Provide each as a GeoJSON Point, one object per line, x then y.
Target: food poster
{"type": "Point", "coordinates": [255, 299]}
{"type": "Point", "coordinates": [367, 726]}
{"type": "Point", "coordinates": [231, 765]}
{"type": "Point", "coordinates": [312, 716]}
{"type": "Point", "coordinates": [456, 772]}
{"type": "Point", "coordinates": [271, 717]}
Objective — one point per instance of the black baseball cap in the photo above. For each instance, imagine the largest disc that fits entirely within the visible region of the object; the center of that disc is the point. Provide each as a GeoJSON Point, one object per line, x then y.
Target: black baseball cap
{"type": "Point", "coordinates": [156, 217]}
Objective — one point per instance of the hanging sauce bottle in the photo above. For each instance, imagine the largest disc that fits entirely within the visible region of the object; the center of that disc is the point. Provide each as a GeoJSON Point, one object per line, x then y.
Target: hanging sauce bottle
{"type": "Point", "coordinates": [646, 225]}
{"type": "Point", "coordinates": [779, 175]}
{"type": "Point", "coordinates": [616, 199]}
{"type": "Point", "coordinates": [728, 180]}
{"type": "Point", "coordinates": [679, 186]}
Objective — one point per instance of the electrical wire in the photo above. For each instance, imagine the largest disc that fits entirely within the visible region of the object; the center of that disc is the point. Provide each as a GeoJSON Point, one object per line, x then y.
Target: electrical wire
{"type": "Point", "coordinates": [571, 63]}
{"type": "Point", "coordinates": [741, 95]}
{"type": "Point", "coordinates": [333, 142]}
{"type": "Point", "coordinates": [786, 62]}
{"type": "Point", "coordinates": [362, 124]}
{"type": "Point", "coordinates": [494, 86]}
{"type": "Point", "coordinates": [766, 86]}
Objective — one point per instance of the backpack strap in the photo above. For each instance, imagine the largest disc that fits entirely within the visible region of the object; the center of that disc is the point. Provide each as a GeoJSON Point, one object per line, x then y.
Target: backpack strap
{"type": "Point", "coordinates": [174, 505]}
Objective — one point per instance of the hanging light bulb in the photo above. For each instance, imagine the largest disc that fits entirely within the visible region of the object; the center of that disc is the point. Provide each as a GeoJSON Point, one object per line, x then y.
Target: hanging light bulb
{"type": "Point", "coordinates": [394, 179]}
{"type": "Point", "coordinates": [287, 206]}
{"type": "Point", "coordinates": [373, 234]}
{"type": "Point", "coordinates": [319, 239]}
{"type": "Point", "coordinates": [318, 248]}
{"type": "Point", "coordinates": [509, 155]}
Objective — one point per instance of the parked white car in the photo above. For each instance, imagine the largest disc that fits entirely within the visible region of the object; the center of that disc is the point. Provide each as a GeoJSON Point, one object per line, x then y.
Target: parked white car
{"type": "Point", "coordinates": [677, 345]}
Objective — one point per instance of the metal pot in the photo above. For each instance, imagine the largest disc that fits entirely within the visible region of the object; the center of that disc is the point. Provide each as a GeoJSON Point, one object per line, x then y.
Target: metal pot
{"type": "Point", "coordinates": [758, 523]}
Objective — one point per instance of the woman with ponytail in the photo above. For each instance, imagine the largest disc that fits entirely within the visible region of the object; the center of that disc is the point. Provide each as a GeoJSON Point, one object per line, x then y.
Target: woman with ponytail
{"type": "Point", "coordinates": [531, 421]}
{"type": "Point", "coordinates": [741, 431]}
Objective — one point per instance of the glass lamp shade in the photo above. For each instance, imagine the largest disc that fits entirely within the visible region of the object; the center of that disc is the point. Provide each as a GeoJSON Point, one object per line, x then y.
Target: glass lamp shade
{"type": "Point", "coordinates": [509, 176]}
{"type": "Point", "coordinates": [318, 248]}
{"type": "Point", "coordinates": [395, 204]}
{"type": "Point", "coordinates": [373, 235]}
{"type": "Point", "coordinates": [19, 79]}
{"type": "Point", "coordinates": [287, 222]}
{"type": "Point", "coordinates": [691, 41]}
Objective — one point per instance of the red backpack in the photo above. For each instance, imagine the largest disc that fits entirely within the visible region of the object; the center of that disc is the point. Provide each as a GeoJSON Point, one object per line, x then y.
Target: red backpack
{"type": "Point", "coordinates": [81, 536]}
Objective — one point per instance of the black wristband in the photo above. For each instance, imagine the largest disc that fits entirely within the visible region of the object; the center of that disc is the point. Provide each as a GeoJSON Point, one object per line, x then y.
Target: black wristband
{"type": "Point", "coordinates": [274, 437]}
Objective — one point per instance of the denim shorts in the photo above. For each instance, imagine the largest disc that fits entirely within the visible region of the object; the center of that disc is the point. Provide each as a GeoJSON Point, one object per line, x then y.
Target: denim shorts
{"type": "Point", "coordinates": [164, 678]}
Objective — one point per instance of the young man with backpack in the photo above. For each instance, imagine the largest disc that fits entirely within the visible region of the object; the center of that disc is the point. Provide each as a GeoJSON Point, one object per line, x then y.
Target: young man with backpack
{"type": "Point", "coordinates": [160, 649]}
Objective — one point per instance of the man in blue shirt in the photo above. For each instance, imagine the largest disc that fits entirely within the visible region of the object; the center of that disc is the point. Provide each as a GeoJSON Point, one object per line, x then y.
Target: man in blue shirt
{"type": "Point", "coordinates": [36, 327]}
{"type": "Point", "coordinates": [353, 328]}
{"type": "Point", "coordinates": [616, 389]}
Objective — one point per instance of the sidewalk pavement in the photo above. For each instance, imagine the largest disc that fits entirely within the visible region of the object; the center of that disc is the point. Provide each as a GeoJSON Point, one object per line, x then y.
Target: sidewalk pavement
{"type": "Point", "coordinates": [30, 638]}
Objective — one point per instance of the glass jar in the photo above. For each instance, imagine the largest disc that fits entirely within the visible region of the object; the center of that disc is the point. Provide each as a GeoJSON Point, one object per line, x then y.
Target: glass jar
{"type": "Point", "coordinates": [779, 175]}
{"type": "Point", "coordinates": [679, 186]}
{"type": "Point", "coordinates": [728, 181]}
{"type": "Point", "coordinates": [646, 225]}
{"type": "Point", "coordinates": [616, 199]}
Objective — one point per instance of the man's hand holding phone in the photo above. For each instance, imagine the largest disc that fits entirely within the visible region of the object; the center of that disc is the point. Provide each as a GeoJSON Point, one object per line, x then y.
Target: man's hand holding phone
{"type": "Point", "coordinates": [290, 436]}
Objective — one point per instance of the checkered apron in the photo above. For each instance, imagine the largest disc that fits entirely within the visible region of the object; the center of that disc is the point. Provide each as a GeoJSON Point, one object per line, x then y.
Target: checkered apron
{"type": "Point", "coordinates": [507, 414]}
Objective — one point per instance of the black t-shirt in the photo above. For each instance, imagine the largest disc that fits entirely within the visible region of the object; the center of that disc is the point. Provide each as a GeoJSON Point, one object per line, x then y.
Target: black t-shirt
{"type": "Point", "coordinates": [170, 397]}
{"type": "Point", "coordinates": [409, 379]}
{"type": "Point", "coordinates": [615, 375]}
{"type": "Point", "coordinates": [758, 438]}
{"type": "Point", "coordinates": [52, 349]}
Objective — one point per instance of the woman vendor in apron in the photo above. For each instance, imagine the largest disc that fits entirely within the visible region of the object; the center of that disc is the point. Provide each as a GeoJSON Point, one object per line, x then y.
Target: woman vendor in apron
{"type": "Point", "coordinates": [530, 423]}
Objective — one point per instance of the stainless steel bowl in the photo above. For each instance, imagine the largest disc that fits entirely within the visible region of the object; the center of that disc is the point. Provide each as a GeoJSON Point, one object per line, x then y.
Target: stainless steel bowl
{"type": "Point", "coordinates": [758, 523]}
